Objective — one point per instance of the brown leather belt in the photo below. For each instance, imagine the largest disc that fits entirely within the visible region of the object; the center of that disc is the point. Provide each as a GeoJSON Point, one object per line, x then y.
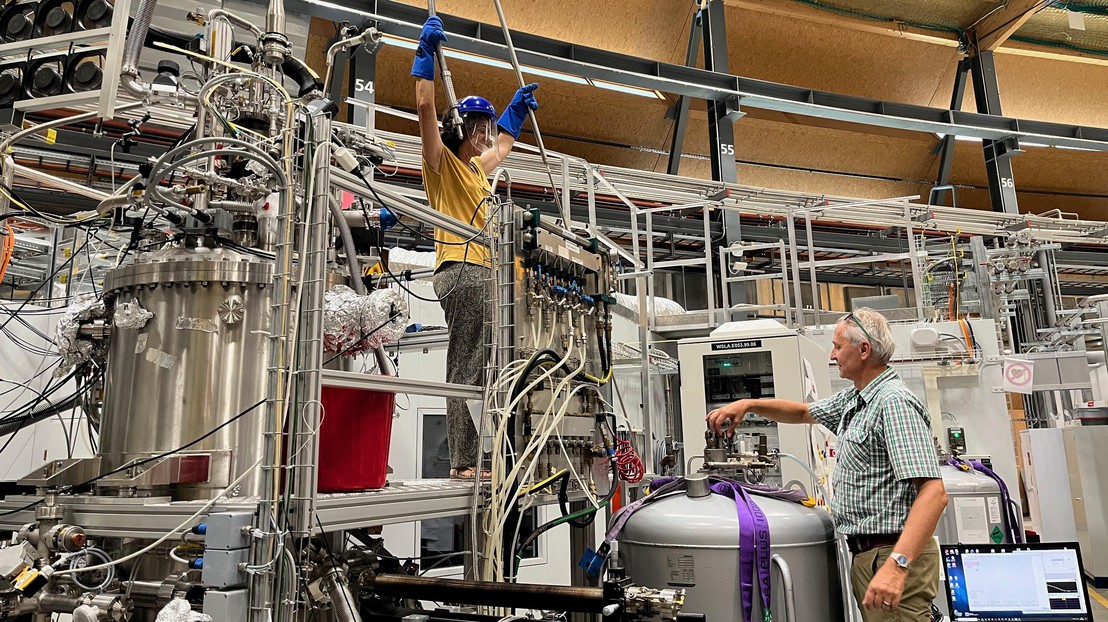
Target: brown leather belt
{"type": "Point", "coordinates": [861, 544]}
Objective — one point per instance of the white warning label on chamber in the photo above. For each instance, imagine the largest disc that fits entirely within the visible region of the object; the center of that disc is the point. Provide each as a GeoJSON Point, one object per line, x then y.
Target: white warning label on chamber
{"type": "Point", "coordinates": [682, 571]}
{"type": "Point", "coordinates": [969, 517]}
{"type": "Point", "coordinates": [994, 510]}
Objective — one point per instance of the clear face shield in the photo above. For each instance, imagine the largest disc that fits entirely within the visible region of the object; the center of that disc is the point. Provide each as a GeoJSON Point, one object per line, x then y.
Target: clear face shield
{"type": "Point", "coordinates": [480, 130]}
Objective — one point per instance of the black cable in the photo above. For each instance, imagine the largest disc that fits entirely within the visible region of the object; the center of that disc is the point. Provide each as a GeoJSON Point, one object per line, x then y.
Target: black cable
{"type": "Point", "coordinates": [148, 460]}
{"type": "Point", "coordinates": [57, 220]}
{"type": "Point", "coordinates": [88, 255]}
{"type": "Point", "coordinates": [514, 516]}
{"type": "Point", "coordinates": [392, 316]}
{"type": "Point", "coordinates": [49, 279]}
{"type": "Point", "coordinates": [365, 181]}
{"type": "Point", "coordinates": [23, 420]}
{"type": "Point", "coordinates": [466, 243]}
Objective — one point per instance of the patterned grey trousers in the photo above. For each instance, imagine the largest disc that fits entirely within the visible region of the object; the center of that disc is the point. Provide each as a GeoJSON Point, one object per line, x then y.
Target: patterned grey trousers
{"type": "Point", "coordinates": [464, 291]}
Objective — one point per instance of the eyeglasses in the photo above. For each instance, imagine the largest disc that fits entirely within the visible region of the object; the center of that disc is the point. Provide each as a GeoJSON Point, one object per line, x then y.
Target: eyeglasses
{"type": "Point", "coordinates": [851, 316]}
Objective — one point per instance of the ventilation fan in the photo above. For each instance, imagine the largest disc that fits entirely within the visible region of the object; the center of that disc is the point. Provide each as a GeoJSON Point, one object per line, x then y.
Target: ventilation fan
{"type": "Point", "coordinates": [43, 77]}
{"type": "Point", "coordinates": [17, 21]}
{"type": "Point", "coordinates": [54, 17]}
{"type": "Point", "coordinates": [11, 82]}
{"type": "Point", "coordinates": [83, 72]}
{"type": "Point", "coordinates": [92, 14]}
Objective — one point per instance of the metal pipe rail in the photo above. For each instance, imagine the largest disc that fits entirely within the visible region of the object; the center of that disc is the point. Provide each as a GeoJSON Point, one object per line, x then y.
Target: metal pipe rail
{"type": "Point", "coordinates": [634, 187]}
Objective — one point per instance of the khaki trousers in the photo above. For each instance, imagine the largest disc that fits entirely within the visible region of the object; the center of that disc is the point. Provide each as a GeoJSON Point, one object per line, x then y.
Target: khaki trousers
{"type": "Point", "coordinates": [920, 587]}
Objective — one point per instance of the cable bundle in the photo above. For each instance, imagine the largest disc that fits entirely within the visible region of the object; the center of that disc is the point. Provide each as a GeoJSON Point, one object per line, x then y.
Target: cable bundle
{"type": "Point", "coordinates": [631, 469]}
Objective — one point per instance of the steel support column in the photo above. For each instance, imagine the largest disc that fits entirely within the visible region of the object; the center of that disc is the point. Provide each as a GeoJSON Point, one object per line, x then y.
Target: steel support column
{"type": "Point", "coordinates": [946, 160]}
{"type": "Point", "coordinates": [998, 153]}
{"type": "Point", "coordinates": [722, 113]}
{"type": "Point", "coordinates": [721, 134]}
{"type": "Point", "coordinates": [363, 77]}
{"type": "Point", "coordinates": [681, 109]}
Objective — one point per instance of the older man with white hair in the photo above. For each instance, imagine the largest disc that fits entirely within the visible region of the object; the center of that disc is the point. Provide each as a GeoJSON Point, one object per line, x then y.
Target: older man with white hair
{"type": "Point", "coordinates": [888, 493]}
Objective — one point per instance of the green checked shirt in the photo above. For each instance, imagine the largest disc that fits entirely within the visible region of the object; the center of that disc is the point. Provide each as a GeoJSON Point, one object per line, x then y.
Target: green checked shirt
{"type": "Point", "coordinates": [884, 442]}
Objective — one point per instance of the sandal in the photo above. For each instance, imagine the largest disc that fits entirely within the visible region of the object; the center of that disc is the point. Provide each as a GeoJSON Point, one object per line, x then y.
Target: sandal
{"type": "Point", "coordinates": [467, 473]}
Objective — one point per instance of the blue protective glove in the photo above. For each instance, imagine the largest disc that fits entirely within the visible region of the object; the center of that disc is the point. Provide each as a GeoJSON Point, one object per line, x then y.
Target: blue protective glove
{"type": "Point", "coordinates": [387, 218]}
{"type": "Point", "coordinates": [424, 64]}
{"type": "Point", "coordinates": [512, 119]}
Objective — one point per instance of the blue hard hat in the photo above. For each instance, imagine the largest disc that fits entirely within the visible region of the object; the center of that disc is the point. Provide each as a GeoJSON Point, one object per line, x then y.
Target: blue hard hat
{"type": "Point", "coordinates": [476, 104]}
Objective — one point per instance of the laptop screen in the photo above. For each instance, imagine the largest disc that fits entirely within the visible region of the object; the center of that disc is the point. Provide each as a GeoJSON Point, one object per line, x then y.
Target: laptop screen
{"type": "Point", "coordinates": [1040, 581]}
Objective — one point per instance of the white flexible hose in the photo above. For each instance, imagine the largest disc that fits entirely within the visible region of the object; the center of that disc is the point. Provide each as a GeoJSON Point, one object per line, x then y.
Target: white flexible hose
{"type": "Point", "coordinates": [169, 534]}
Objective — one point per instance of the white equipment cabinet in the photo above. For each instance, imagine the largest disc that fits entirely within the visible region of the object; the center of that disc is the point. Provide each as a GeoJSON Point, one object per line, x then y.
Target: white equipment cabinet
{"type": "Point", "coordinates": [753, 359]}
{"type": "Point", "coordinates": [1047, 481]}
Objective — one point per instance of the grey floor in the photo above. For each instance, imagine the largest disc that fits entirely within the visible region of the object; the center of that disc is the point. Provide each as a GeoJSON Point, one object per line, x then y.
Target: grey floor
{"type": "Point", "coordinates": [1100, 612]}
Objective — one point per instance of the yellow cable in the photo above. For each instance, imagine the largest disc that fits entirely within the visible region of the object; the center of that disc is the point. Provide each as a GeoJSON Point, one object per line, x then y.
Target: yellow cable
{"type": "Point", "coordinates": [47, 217]}
{"type": "Point", "coordinates": [603, 380]}
{"type": "Point", "coordinates": [954, 257]}
{"type": "Point", "coordinates": [543, 483]}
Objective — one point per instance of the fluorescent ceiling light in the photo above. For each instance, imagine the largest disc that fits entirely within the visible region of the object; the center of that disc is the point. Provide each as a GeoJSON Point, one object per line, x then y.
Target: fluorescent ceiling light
{"type": "Point", "coordinates": [332, 5]}
{"type": "Point", "coordinates": [1023, 143]}
{"type": "Point", "coordinates": [556, 75]}
{"type": "Point", "coordinates": [408, 44]}
{"type": "Point", "coordinates": [631, 90]}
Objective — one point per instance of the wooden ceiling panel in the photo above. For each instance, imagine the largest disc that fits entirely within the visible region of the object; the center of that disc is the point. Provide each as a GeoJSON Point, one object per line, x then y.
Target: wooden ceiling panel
{"type": "Point", "coordinates": [1051, 90]}
{"type": "Point", "coordinates": [804, 181]}
{"type": "Point", "coordinates": [838, 59]}
{"type": "Point", "coordinates": [1088, 208]}
{"type": "Point", "coordinates": [827, 149]}
{"type": "Point", "coordinates": [1044, 168]}
{"type": "Point", "coordinates": [645, 28]}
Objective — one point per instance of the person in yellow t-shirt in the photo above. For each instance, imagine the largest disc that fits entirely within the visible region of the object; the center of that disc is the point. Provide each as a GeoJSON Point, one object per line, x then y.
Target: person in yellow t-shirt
{"type": "Point", "coordinates": [456, 178]}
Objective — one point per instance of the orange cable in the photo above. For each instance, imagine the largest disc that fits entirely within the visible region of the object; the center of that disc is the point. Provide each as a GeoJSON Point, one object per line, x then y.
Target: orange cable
{"type": "Point", "coordinates": [965, 331]}
{"type": "Point", "coordinates": [6, 254]}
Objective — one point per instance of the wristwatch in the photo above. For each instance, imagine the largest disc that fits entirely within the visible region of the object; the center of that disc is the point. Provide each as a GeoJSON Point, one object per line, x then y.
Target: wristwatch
{"type": "Point", "coordinates": [901, 560]}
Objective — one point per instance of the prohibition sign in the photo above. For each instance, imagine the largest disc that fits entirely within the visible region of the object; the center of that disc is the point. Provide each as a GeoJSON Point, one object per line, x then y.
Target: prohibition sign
{"type": "Point", "coordinates": [1018, 373]}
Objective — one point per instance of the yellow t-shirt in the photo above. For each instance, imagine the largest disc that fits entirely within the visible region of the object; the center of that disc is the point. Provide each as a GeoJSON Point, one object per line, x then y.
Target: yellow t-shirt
{"type": "Point", "coordinates": [458, 191]}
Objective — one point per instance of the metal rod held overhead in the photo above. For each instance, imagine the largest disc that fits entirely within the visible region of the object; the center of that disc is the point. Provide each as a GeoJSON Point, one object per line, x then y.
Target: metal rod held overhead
{"type": "Point", "coordinates": [447, 79]}
{"type": "Point", "coordinates": [562, 209]}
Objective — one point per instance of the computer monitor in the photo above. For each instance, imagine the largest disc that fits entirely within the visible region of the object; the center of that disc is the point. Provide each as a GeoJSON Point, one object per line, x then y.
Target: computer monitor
{"type": "Point", "coordinates": [1038, 581]}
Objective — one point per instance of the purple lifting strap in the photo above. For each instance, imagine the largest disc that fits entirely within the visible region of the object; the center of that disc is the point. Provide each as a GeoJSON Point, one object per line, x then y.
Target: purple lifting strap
{"type": "Point", "coordinates": [754, 546]}
{"type": "Point", "coordinates": [754, 538]}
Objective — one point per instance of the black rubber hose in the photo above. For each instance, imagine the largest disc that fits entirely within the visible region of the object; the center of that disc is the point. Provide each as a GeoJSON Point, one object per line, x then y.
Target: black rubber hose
{"type": "Point", "coordinates": [307, 79]}
{"type": "Point", "coordinates": [293, 67]}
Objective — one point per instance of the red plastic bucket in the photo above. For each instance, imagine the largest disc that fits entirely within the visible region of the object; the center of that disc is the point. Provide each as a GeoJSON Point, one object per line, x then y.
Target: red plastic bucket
{"type": "Point", "coordinates": [354, 439]}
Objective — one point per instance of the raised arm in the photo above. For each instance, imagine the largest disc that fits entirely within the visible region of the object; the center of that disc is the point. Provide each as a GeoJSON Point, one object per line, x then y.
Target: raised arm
{"type": "Point", "coordinates": [423, 69]}
{"type": "Point", "coordinates": [510, 124]}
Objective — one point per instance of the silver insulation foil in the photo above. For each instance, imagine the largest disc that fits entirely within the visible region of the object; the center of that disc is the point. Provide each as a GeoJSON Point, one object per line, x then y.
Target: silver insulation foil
{"type": "Point", "coordinates": [130, 315]}
{"type": "Point", "coordinates": [353, 324]}
{"type": "Point", "coordinates": [72, 349]}
{"type": "Point", "coordinates": [179, 610]}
